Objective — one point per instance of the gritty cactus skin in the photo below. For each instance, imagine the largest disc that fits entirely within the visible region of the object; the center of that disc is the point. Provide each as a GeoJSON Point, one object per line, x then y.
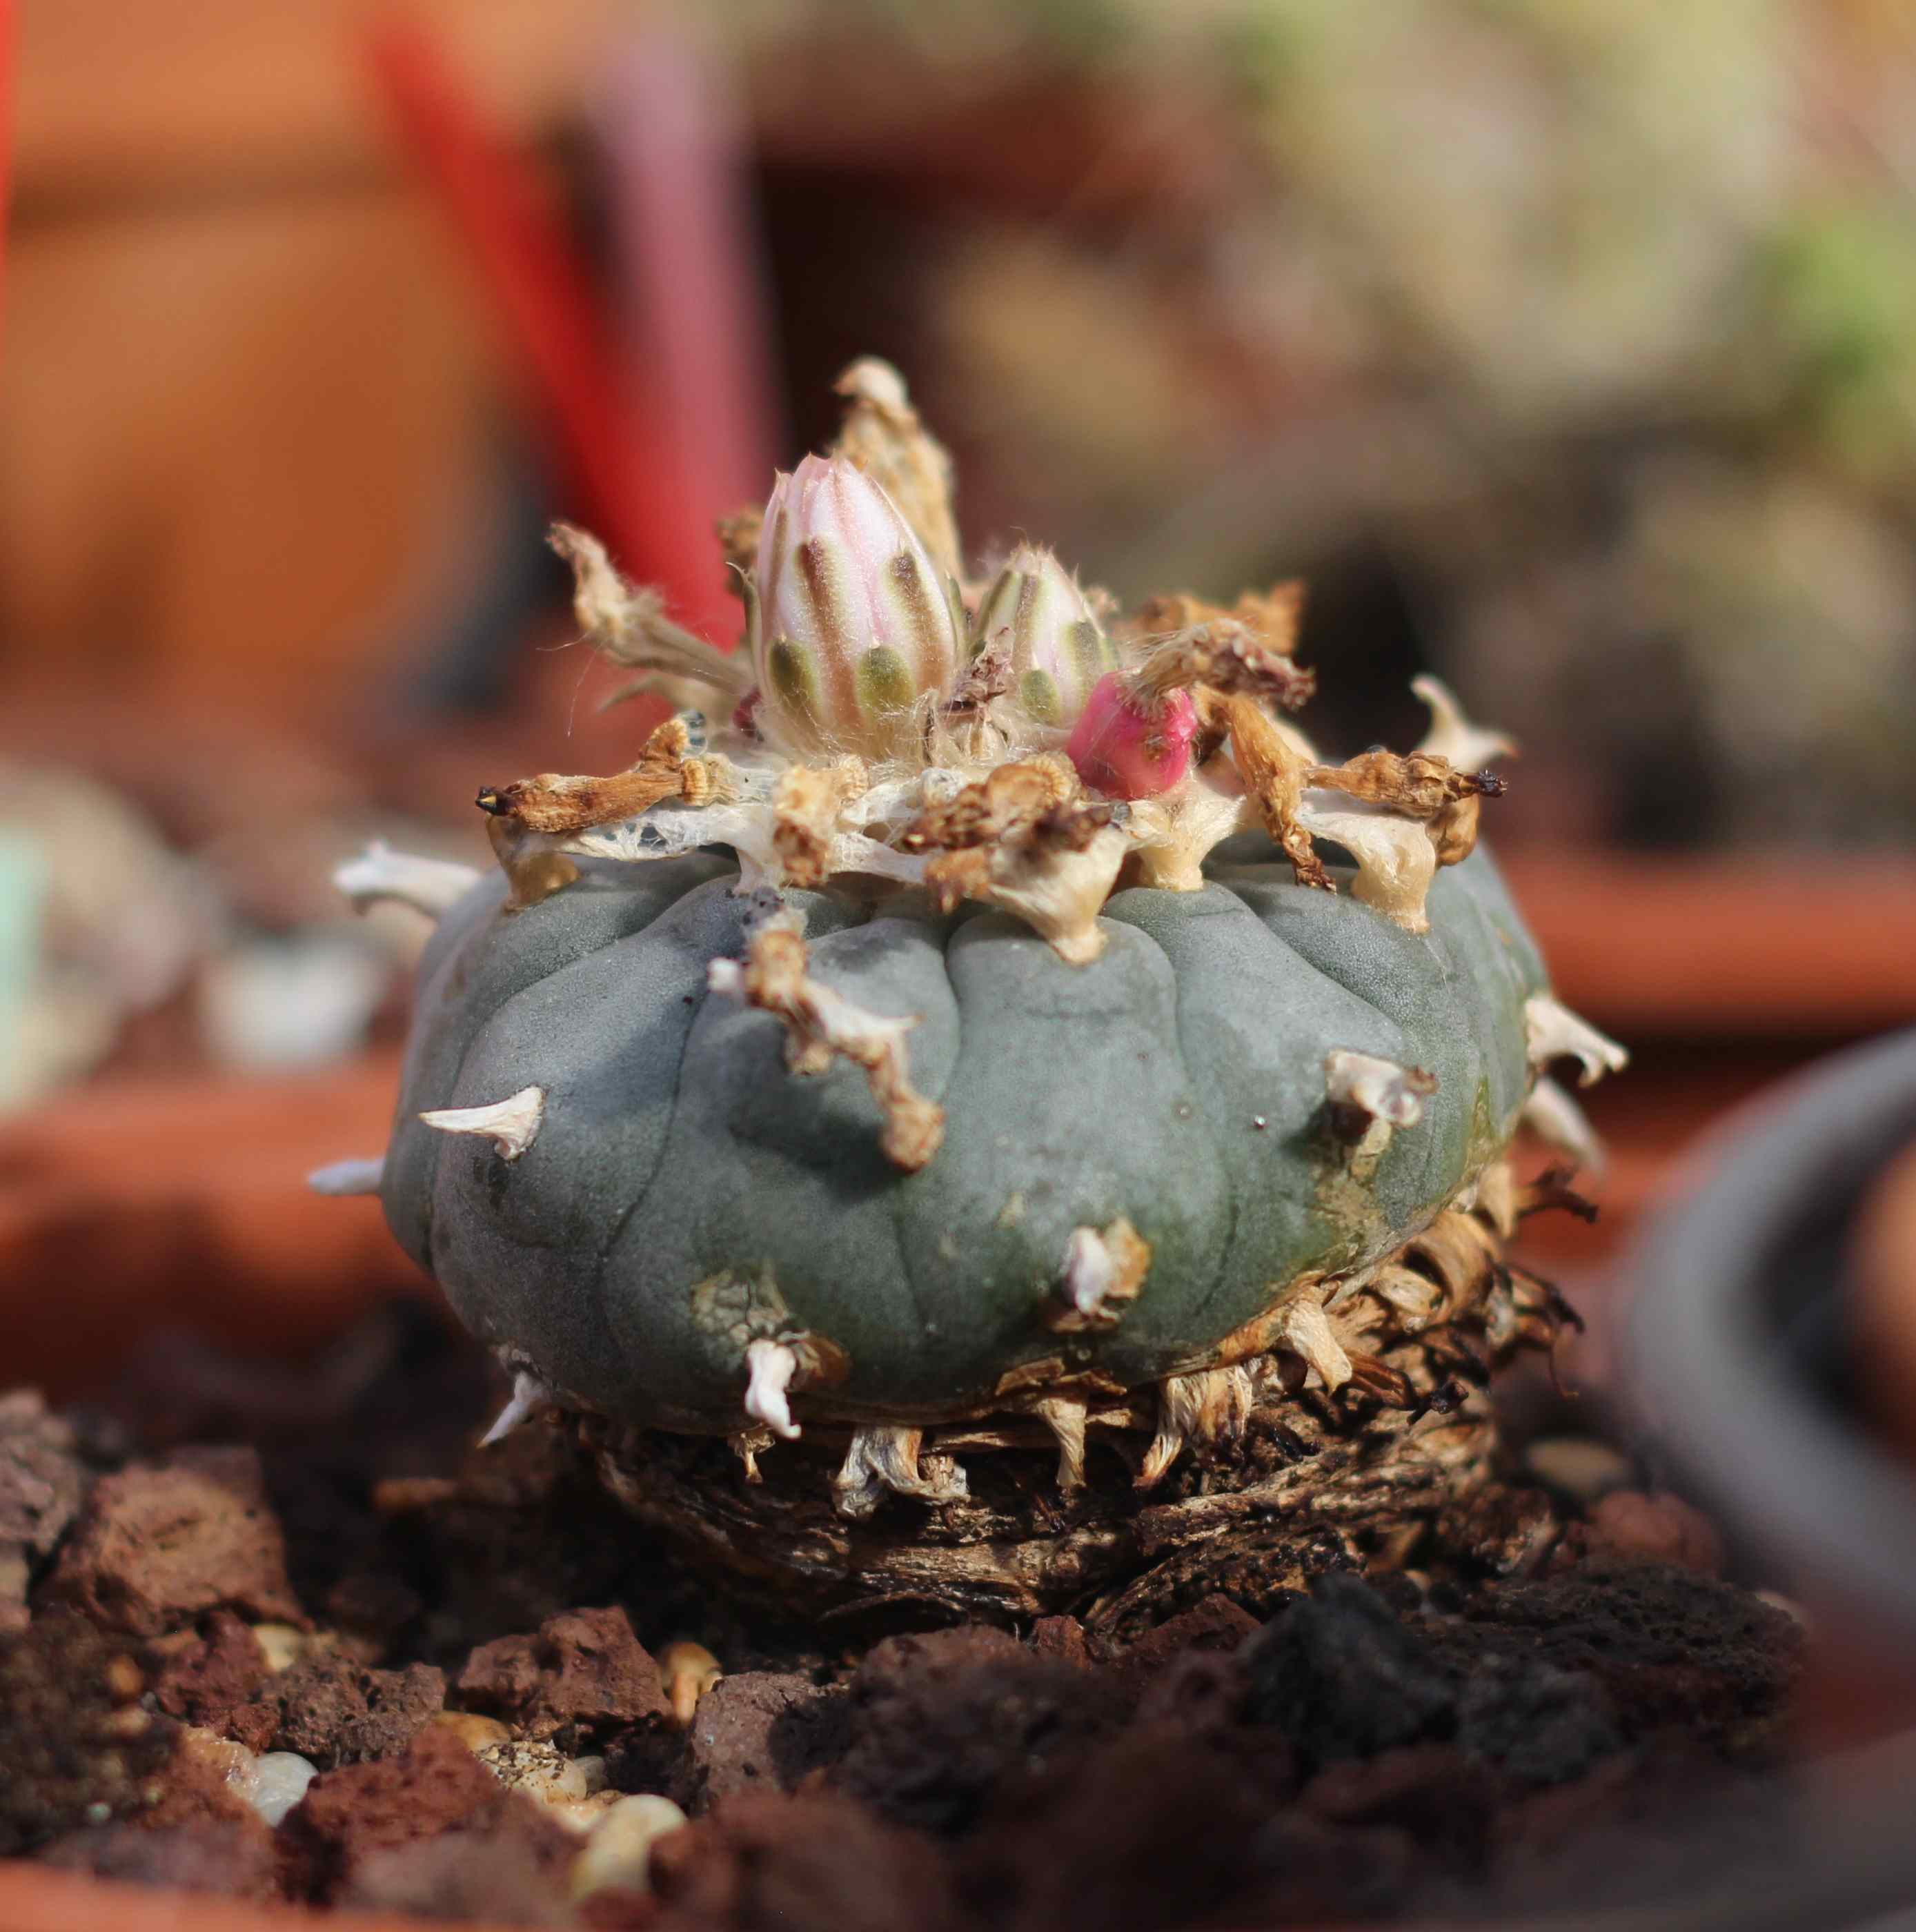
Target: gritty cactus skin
{"type": "Point", "coordinates": [1176, 1080]}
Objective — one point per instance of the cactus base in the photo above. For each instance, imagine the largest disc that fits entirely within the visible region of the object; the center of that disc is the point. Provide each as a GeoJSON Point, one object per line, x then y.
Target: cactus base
{"type": "Point", "coordinates": [1398, 1466]}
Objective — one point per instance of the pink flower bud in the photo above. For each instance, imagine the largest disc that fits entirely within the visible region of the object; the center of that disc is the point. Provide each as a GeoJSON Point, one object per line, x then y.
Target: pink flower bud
{"type": "Point", "coordinates": [1126, 751]}
{"type": "Point", "coordinates": [853, 623]}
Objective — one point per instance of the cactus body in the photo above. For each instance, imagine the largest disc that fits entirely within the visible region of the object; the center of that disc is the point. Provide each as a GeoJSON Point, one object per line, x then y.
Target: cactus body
{"type": "Point", "coordinates": [1048, 1050]}
{"type": "Point", "coordinates": [1176, 1081]}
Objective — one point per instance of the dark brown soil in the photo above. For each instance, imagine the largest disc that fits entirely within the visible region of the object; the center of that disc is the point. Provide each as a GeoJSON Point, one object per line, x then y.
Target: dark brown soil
{"type": "Point", "coordinates": [1368, 1746]}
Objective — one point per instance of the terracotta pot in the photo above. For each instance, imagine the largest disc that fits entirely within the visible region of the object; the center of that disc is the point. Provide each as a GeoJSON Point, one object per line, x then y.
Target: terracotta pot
{"type": "Point", "coordinates": [34, 1899]}
{"type": "Point", "coordinates": [127, 1207]}
{"type": "Point", "coordinates": [1713, 947]}
{"type": "Point", "coordinates": [1743, 1358]}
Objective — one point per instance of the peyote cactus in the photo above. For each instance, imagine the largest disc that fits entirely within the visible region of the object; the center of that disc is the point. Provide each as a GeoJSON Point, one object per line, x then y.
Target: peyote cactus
{"type": "Point", "coordinates": [997, 1028]}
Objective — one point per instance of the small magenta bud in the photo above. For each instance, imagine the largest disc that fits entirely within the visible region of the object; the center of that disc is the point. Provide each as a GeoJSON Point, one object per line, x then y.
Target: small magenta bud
{"type": "Point", "coordinates": [1125, 750]}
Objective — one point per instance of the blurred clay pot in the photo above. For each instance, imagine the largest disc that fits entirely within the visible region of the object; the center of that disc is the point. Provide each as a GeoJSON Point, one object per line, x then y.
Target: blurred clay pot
{"type": "Point", "coordinates": [1884, 1271]}
{"type": "Point", "coordinates": [1772, 1353]}
{"type": "Point", "coordinates": [132, 1206]}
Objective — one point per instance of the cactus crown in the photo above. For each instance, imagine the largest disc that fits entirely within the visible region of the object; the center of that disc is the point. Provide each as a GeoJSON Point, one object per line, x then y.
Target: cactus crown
{"type": "Point", "coordinates": [1011, 739]}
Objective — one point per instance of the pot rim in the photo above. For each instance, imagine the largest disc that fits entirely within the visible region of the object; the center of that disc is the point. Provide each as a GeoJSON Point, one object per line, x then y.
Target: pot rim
{"type": "Point", "coordinates": [1706, 1374]}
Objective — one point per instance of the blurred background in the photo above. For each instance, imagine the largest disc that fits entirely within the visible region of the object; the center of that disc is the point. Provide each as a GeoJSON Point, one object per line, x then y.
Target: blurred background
{"type": "Point", "coordinates": [1564, 346]}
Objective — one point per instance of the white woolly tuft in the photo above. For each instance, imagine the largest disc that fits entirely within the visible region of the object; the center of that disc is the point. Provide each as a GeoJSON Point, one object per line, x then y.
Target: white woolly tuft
{"type": "Point", "coordinates": [1379, 1087]}
{"type": "Point", "coordinates": [1468, 747]}
{"type": "Point", "coordinates": [1555, 1033]}
{"type": "Point", "coordinates": [512, 1125]}
{"type": "Point", "coordinates": [529, 1395]}
{"type": "Point", "coordinates": [349, 1177]}
{"type": "Point", "coordinates": [1551, 1113]}
{"type": "Point", "coordinates": [769, 1368]}
{"type": "Point", "coordinates": [1396, 859]}
{"type": "Point", "coordinates": [429, 886]}
{"type": "Point", "coordinates": [885, 1458]}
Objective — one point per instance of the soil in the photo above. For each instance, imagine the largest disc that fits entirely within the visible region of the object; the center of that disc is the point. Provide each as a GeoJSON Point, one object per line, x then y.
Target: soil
{"type": "Point", "coordinates": [476, 1654]}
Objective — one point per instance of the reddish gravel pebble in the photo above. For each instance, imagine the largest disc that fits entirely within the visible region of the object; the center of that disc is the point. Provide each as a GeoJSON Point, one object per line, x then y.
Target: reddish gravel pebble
{"type": "Point", "coordinates": [335, 1711]}
{"type": "Point", "coordinates": [204, 1677]}
{"type": "Point", "coordinates": [227, 1860]}
{"type": "Point", "coordinates": [43, 1478]}
{"type": "Point", "coordinates": [435, 1785]}
{"type": "Point", "coordinates": [583, 1669]}
{"type": "Point", "coordinates": [1627, 1526]}
{"type": "Point", "coordinates": [760, 1730]}
{"type": "Point", "coordinates": [160, 1543]}
{"type": "Point", "coordinates": [1216, 1624]}
{"type": "Point", "coordinates": [820, 1863]}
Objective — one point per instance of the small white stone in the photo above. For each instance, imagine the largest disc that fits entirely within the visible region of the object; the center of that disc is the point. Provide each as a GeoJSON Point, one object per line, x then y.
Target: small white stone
{"type": "Point", "coordinates": [580, 1815]}
{"type": "Point", "coordinates": [1578, 1466]}
{"type": "Point", "coordinates": [283, 1644]}
{"type": "Point", "coordinates": [272, 1005]}
{"type": "Point", "coordinates": [618, 1855]}
{"type": "Point", "coordinates": [276, 1783]}
{"type": "Point", "coordinates": [543, 1771]}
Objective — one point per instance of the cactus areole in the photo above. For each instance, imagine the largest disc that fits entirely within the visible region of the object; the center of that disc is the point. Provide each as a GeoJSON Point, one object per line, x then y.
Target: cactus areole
{"type": "Point", "coordinates": [982, 1111]}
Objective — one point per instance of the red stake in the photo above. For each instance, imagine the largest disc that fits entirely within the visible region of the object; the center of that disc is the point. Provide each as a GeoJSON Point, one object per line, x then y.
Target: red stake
{"type": "Point", "coordinates": [615, 463]}
{"type": "Point", "coordinates": [694, 310]}
{"type": "Point", "coordinates": [8, 40]}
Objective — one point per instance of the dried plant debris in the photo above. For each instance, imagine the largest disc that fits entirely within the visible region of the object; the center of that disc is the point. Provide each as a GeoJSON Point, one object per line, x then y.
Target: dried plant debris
{"type": "Point", "coordinates": [628, 625]}
{"type": "Point", "coordinates": [822, 1025]}
{"type": "Point", "coordinates": [883, 436]}
{"type": "Point", "coordinates": [553, 805]}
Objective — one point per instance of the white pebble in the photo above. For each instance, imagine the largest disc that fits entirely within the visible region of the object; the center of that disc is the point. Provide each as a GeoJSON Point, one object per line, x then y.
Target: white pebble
{"type": "Point", "coordinates": [275, 1783]}
{"type": "Point", "coordinates": [618, 1855]}
{"type": "Point", "coordinates": [543, 1771]}
{"type": "Point", "coordinates": [1579, 1467]}
{"type": "Point", "coordinates": [283, 1646]}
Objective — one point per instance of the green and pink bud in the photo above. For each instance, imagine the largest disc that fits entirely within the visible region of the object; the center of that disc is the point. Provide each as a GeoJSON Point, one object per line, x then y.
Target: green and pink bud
{"type": "Point", "coordinates": [1057, 652]}
{"type": "Point", "coordinates": [851, 624]}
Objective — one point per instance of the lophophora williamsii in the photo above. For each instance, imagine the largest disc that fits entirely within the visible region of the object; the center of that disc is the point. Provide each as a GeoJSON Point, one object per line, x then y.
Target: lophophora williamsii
{"type": "Point", "coordinates": [983, 1112]}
